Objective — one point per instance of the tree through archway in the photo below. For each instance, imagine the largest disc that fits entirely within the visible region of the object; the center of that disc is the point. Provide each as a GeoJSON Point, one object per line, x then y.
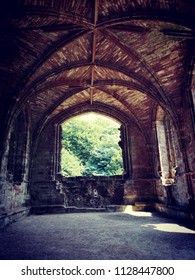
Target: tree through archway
{"type": "Point", "coordinates": [90, 146]}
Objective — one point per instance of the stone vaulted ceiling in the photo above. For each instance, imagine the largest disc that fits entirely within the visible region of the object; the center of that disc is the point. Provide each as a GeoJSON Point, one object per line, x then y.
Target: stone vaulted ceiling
{"type": "Point", "coordinates": [112, 55]}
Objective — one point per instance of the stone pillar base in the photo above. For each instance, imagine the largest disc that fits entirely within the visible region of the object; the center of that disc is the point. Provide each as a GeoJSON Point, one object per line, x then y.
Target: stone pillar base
{"type": "Point", "coordinates": [139, 190]}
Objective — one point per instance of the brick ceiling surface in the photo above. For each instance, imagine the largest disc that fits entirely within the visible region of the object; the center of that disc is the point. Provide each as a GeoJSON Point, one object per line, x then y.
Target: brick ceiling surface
{"type": "Point", "coordinates": [126, 56]}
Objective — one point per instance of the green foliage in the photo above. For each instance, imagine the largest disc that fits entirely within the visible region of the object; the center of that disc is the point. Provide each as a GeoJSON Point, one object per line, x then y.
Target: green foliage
{"type": "Point", "coordinates": [93, 144]}
{"type": "Point", "coordinates": [70, 165]}
{"type": "Point", "coordinates": [76, 139]}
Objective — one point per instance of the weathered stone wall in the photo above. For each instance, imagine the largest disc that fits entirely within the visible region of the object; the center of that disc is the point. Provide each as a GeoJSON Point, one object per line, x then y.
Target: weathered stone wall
{"type": "Point", "coordinates": [141, 155]}
{"type": "Point", "coordinates": [173, 185]}
{"type": "Point", "coordinates": [15, 166]}
{"type": "Point", "coordinates": [140, 190]}
{"type": "Point", "coordinates": [141, 185]}
{"type": "Point", "coordinates": [188, 140]}
{"type": "Point", "coordinates": [180, 188]}
{"type": "Point", "coordinates": [42, 181]}
{"type": "Point", "coordinates": [43, 156]}
{"type": "Point", "coordinates": [97, 191]}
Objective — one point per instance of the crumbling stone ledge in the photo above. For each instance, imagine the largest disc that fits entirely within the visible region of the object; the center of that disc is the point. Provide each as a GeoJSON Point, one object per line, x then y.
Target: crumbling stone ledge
{"type": "Point", "coordinates": [8, 217]}
{"type": "Point", "coordinates": [176, 212]}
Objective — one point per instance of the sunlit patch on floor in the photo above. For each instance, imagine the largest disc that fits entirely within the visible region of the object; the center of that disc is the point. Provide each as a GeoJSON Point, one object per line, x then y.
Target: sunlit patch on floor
{"type": "Point", "coordinates": [170, 228]}
{"type": "Point", "coordinates": [128, 210]}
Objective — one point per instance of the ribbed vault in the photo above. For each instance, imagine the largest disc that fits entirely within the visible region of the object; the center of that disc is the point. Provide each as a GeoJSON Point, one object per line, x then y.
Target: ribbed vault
{"type": "Point", "coordinates": [128, 55]}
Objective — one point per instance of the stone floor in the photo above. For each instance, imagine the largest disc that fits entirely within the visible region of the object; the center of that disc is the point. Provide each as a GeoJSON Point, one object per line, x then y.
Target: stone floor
{"type": "Point", "coordinates": [82, 236]}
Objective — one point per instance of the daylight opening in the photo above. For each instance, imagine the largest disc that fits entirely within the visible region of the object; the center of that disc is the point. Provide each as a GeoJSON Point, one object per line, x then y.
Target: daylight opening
{"type": "Point", "coordinates": [90, 146]}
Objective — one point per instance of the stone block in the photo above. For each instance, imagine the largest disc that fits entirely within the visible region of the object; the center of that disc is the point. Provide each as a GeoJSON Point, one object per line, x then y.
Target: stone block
{"type": "Point", "coordinates": [139, 190]}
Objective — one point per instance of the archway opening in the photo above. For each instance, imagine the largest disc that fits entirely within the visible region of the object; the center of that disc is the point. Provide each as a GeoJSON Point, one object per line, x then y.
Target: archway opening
{"type": "Point", "coordinates": [90, 146]}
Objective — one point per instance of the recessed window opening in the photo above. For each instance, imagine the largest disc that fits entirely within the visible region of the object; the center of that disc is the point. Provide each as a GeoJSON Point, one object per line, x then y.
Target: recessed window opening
{"type": "Point", "coordinates": [90, 146]}
{"type": "Point", "coordinates": [167, 151]}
